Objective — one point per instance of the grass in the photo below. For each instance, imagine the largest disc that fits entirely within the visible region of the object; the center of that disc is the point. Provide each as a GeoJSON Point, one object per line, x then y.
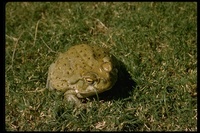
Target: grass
{"type": "Point", "coordinates": [156, 42]}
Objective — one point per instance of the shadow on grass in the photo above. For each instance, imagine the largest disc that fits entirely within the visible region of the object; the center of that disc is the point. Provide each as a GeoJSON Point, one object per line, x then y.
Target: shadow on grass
{"type": "Point", "coordinates": [122, 88]}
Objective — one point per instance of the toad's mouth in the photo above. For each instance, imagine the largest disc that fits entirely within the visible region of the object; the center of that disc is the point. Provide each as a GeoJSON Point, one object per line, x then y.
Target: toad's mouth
{"type": "Point", "coordinates": [95, 89]}
{"type": "Point", "coordinates": [91, 84]}
{"type": "Point", "coordinates": [90, 92]}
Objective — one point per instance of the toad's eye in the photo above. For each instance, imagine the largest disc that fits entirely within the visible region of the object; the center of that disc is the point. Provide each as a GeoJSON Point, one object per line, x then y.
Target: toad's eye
{"type": "Point", "coordinates": [89, 80]}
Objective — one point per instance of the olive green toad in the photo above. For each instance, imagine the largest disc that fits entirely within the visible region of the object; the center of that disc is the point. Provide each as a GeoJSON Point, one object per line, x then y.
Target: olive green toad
{"type": "Point", "coordinates": [82, 71]}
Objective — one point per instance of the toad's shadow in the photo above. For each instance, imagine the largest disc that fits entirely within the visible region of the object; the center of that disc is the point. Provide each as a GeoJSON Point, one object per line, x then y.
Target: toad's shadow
{"type": "Point", "coordinates": [122, 88]}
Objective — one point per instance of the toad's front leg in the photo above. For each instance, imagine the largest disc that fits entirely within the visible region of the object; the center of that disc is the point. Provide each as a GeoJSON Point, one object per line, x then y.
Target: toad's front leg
{"type": "Point", "coordinates": [71, 96]}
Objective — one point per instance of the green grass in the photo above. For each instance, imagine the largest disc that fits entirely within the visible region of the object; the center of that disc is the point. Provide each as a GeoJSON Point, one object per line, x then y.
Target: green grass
{"type": "Point", "coordinates": [156, 42]}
